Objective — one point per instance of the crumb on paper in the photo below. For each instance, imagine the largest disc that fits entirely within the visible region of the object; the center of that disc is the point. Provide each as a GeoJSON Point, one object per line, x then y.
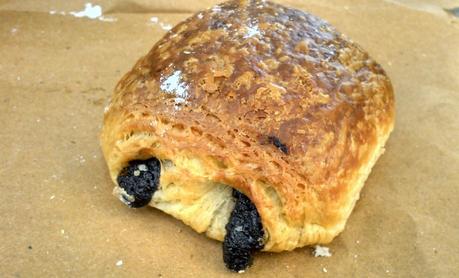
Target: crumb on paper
{"type": "Point", "coordinates": [14, 30]}
{"type": "Point", "coordinates": [321, 251]}
{"type": "Point", "coordinates": [324, 270]}
{"type": "Point", "coordinates": [18, 78]}
{"type": "Point", "coordinates": [108, 18]}
{"type": "Point", "coordinates": [165, 26]}
{"type": "Point", "coordinates": [82, 159]}
{"type": "Point", "coordinates": [357, 241]}
{"type": "Point", "coordinates": [355, 256]}
{"type": "Point", "coordinates": [241, 271]}
{"type": "Point", "coordinates": [119, 263]}
{"type": "Point", "coordinates": [89, 11]}
{"type": "Point", "coordinates": [52, 197]}
{"type": "Point", "coordinates": [387, 271]}
{"type": "Point", "coordinates": [62, 231]}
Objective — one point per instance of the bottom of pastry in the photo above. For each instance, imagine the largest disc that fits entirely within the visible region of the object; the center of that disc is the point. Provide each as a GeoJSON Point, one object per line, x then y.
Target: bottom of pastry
{"type": "Point", "coordinates": [244, 230]}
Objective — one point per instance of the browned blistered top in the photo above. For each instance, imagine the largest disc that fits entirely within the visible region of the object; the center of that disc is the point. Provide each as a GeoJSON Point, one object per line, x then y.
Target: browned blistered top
{"type": "Point", "coordinates": [232, 78]}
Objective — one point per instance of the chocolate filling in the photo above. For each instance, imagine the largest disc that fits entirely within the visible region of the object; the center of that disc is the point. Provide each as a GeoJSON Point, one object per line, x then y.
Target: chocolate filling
{"type": "Point", "coordinates": [244, 234]}
{"type": "Point", "coordinates": [139, 180]}
{"type": "Point", "coordinates": [278, 144]}
{"type": "Point", "coordinates": [244, 231]}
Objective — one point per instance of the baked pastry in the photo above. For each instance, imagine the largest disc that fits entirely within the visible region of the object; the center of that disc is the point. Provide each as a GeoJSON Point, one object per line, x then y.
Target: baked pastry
{"type": "Point", "coordinates": [251, 122]}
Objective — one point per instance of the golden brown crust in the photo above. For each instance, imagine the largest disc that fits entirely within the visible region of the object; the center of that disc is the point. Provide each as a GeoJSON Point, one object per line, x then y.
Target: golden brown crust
{"type": "Point", "coordinates": [224, 81]}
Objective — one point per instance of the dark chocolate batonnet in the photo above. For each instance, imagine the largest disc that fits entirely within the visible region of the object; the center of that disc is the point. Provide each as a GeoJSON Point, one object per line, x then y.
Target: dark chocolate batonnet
{"type": "Point", "coordinates": [140, 179]}
{"type": "Point", "coordinates": [244, 234]}
{"type": "Point", "coordinates": [244, 231]}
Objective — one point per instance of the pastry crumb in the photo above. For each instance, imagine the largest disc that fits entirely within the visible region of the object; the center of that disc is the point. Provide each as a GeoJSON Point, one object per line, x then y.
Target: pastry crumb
{"type": "Point", "coordinates": [52, 197]}
{"type": "Point", "coordinates": [82, 159]}
{"type": "Point", "coordinates": [324, 270]}
{"type": "Point", "coordinates": [142, 167]}
{"type": "Point", "coordinates": [136, 173]}
{"type": "Point", "coordinates": [241, 271]}
{"type": "Point", "coordinates": [165, 26]}
{"type": "Point", "coordinates": [119, 263]}
{"type": "Point", "coordinates": [321, 251]}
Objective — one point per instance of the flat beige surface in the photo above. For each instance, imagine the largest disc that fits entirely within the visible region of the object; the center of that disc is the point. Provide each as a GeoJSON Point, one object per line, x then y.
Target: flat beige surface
{"type": "Point", "coordinates": [59, 219]}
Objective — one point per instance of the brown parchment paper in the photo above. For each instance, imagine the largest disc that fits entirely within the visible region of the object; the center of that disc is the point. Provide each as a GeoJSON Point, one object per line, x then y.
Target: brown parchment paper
{"type": "Point", "coordinates": [58, 217]}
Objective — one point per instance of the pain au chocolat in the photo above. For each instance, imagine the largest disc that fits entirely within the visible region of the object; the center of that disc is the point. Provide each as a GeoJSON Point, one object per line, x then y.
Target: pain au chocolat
{"type": "Point", "coordinates": [251, 122]}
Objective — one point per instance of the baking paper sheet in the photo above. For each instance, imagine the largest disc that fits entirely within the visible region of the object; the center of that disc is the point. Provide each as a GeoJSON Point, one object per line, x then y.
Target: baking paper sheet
{"type": "Point", "coordinates": [59, 62]}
